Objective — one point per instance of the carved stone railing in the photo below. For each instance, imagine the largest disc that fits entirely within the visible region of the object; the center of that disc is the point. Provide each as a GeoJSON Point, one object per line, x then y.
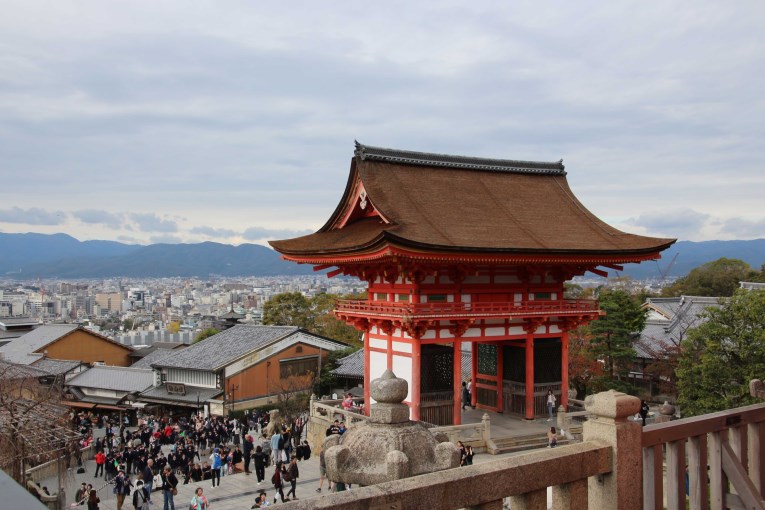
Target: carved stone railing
{"type": "Point", "coordinates": [324, 412]}
{"type": "Point", "coordinates": [720, 450]}
{"type": "Point", "coordinates": [598, 473]}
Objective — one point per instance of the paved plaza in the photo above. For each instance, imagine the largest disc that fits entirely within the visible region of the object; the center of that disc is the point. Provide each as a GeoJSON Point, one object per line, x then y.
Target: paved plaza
{"type": "Point", "coordinates": [238, 491]}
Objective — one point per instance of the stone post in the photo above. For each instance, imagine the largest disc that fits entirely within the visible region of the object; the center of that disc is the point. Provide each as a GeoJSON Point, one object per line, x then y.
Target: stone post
{"type": "Point", "coordinates": [486, 423]}
{"type": "Point", "coordinates": [621, 489]}
{"type": "Point", "coordinates": [562, 425]}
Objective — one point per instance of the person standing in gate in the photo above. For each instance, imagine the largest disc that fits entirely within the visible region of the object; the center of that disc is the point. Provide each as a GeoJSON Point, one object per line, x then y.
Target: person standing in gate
{"type": "Point", "coordinates": [643, 410]}
{"type": "Point", "coordinates": [550, 404]}
{"type": "Point", "coordinates": [465, 396]}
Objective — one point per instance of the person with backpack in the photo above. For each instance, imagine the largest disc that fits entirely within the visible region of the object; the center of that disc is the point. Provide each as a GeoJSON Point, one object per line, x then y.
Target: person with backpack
{"type": "Point", "coordinates": [215, 464]}
{"type": "Point", "coordinates": [81, 495]}
{"type": "Point", "coordinates": [278, 480]}
{"type": "Point", "coordinates": [140, 497]}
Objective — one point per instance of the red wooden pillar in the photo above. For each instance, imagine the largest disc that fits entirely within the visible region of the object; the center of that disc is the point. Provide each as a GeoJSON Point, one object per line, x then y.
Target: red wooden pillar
{"type": "Point", "coordinates": [473, 373]}
{"type": "Point", "coordinates": [457, 369]}
{"type": "Point", "coordinates": [367, 398]}
{"type": "Point", "coordinates": [416, 366]}
{"type": "Point", "coordinates": [500, 371]}
{"type": "Point", "coordinates": [530, 414]}
{"type": "Point", "coordinates": [564, 369]}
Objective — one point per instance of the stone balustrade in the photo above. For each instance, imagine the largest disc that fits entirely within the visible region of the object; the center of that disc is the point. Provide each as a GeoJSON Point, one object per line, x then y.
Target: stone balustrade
{"type": "Point", "coordinates": [618, 465]}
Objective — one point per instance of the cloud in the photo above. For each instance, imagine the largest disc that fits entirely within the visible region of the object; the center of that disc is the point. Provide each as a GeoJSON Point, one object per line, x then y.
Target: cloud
{"type": "Point", "coordinates": [165, 239]}
{"type": "Point", "coordinates": [214, 232]}
{"type": "Point", "coordinates": [742, 228]}
{"type": "Point", "coordinates": [679, 223]}
{"type": "Point", "coordinates": [260, 233]}
{"type": "Point", "coordinates": [32, 216]}
{"type": "Point", "coordinates": [148, 222]}
{"type": "Point", "coordinates": [129, 240]}
{"type": "Point", "coordinates": [96, 216]}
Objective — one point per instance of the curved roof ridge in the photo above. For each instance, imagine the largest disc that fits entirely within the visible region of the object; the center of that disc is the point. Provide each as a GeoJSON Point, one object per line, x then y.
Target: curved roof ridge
{"type": "Point", "coordinates": [371, 153]}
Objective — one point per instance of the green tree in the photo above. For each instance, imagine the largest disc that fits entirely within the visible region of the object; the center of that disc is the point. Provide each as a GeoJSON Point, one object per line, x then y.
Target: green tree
{"type": "Point", "coordinates": [614, 334]}
{"type": "Point", "coordinates": [717, 278]}
{"type": "Point", "coordinates": [205, 333]}
{"type": "Point", "coordinates": [326, 380]}
{"type": "Point", "coordinates": [289, 309]}
{"type": "Point", "coordinates": [721, 356]}
{"type": "Point", "coordinates": [314, 315]}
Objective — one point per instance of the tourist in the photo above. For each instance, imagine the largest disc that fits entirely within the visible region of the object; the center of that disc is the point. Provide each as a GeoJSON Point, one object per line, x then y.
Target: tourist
{"type": "Point", "coordinates": [468, 455]}
{"type": "Point", "coordinates": [277, 479]}
{"type": "Point", "coordinates": [643, 410]}
{"type": "Point", "coordinates": [552, 438]}
{"type": "Point", "coordinates": [465, 396]}
{"type": "Point", "coordinates": [247, 447]}
{"type": "Point", "coordinates": [550, 404]}
{"type": "Point", "coordinates": [121, 487]}
{"type": "Point", "coordinates": [294, 473]}
{"type": "Point", "coordinates": [236, 459]}
{"type": "Point", "coordinates": [333, 429]}
{"type": "Point", "coordinates": [93, 500]}
{"type": "Point", "coordinates": [260, 459]}
{"type": "Point", "coordinates": [215, 464]}
{"type": "Point", "coordinates": [323, 471]}
{"type": "Point", "coordinates": [261, 501]}
{"type": "Point", "coordinates": [341, 430]}
{"type": "Point", "coordinates": [199, 501]}
{"type": "Point", "coordinates": [462, 450]}
{"type": "Point", "coordinates": [169, 488]}
{"type": "Point", "coordinates": [348, 402]}
{"type": "Point", "coordinates": [140, 497]}
{"type": "Point", "coordinates": [100, 461]}
{"type": "Point", "coordinates": [148, 477]}
{"type": "Point", "coordinates": [81, 496]}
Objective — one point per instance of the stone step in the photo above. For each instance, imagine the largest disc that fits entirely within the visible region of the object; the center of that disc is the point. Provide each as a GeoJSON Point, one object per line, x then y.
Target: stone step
{"type": "Point", "coordinates": [522, 443]}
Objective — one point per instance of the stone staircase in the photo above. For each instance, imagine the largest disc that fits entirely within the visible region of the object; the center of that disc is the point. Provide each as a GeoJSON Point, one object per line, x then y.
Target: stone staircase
{"type": "Point", "coordinates": [521, 443]}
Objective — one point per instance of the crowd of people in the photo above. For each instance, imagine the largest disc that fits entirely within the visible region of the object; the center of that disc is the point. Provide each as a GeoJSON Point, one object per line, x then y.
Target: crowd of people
{"type": "Point", "coordinates": [198, 449]}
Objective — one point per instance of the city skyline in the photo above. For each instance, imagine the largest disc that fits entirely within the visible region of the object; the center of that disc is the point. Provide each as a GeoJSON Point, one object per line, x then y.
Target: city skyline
{"type": "Point", "coordinates": [149, 123]}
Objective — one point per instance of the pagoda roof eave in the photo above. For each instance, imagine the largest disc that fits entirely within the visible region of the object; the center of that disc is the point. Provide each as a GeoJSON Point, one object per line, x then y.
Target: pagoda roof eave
{"type": "Point", "coordinates": [476, 256]}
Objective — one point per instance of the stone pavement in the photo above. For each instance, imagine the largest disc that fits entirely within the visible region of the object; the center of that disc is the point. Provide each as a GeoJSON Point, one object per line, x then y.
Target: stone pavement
{"type": "Point", "coordinates": [236, 492]}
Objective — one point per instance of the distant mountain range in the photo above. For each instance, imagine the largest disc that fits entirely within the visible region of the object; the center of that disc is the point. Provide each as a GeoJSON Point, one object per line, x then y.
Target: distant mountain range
{"type": "Point", "coordinates": [28, 256]}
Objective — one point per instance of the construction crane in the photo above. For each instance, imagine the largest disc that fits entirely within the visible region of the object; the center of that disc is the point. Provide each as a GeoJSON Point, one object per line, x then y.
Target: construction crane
{"type": "Point", "coordinates": [664, 273]}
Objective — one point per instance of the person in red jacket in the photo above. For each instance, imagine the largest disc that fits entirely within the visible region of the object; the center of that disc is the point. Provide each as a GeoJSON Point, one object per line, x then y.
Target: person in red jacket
{"type": "Point", "coordinates": [100, 461]}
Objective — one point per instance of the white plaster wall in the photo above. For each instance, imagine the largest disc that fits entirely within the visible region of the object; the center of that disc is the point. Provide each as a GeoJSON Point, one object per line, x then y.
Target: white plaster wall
{"type": "Point", "coordinates": [506, 279]}
{"type": "Point", "coordinates": [402, 367]}
{"type": "Point", "coordinates": [378, 344]}
{"type": "Point", "coordinates": [472, 332]}
{"type": "Point", "coordinates": [378, 363]}
{"type": "Point", "coordinates": [402, 347]}
{"type": "Point", "coordinates": [495, 331]}
{"type": "Point", "coordinates": [516, 330]}
{"type": "Point", "coordinates": [554, 328]}
{"type": "Point", "coordinates": [430, 334]}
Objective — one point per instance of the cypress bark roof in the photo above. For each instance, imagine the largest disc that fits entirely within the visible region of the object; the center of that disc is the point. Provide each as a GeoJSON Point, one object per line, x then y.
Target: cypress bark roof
{"type": "Point", "coordinates": [440, 203]}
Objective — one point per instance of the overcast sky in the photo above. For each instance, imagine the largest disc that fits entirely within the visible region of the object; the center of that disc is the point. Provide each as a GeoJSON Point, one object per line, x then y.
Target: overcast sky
{"type": "Point", "coordinates": [182, 121]}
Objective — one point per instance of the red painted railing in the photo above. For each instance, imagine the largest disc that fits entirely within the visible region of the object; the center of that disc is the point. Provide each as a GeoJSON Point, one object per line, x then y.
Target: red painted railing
{"type": "Point", "coordinates": [490, 309]}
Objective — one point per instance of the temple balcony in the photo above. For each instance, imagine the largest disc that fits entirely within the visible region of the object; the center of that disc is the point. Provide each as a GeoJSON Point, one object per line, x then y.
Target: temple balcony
{"type": "Point", "coordinates": [402, 311]}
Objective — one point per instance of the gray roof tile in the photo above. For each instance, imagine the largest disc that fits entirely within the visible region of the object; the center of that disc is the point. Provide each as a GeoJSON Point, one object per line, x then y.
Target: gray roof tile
{"type": "Point", "coordinates": [155, 356]}
{"type": "Point", "coordinates": [225, 347]}
{"type": "Point", "coordinates": [104, 377]}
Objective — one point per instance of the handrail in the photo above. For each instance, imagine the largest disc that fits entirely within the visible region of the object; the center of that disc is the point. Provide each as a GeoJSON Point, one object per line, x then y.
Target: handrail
{"type": "Point", "coordinates": [659, 433]}
{"type": "Point", "coordinates": [414, 310]}
{"type": "Point", "coordinates": [464, 487]}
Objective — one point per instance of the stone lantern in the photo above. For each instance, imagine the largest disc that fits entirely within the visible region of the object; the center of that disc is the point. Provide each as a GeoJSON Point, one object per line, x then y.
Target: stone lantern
{"type": "Point", "coordinates": [388, 446]}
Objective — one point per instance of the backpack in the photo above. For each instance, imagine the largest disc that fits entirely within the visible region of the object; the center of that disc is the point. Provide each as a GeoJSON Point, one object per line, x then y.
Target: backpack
{"type": "Point", "coordinates": [286, 476]}
{"type": "Point", "coordinates": [273, 479]}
